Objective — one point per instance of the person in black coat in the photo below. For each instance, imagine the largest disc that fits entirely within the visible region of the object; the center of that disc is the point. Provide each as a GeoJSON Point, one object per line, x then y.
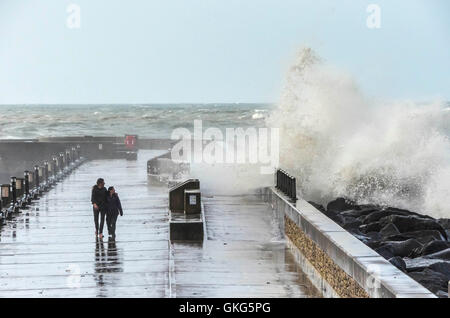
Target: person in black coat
{"type": "Point", "coordinates": [114, 208]}
{"type": "Point", "coordinates": [98, 200]}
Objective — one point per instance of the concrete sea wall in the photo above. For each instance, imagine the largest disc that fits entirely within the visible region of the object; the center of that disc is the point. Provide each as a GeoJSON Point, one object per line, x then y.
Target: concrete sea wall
{"type": "Point", "coordinates": [338, 263]}
{"type": "Point", "coordinates": [21, 154]}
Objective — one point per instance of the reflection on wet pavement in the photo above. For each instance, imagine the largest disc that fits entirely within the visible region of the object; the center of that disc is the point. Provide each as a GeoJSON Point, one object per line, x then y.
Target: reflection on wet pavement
{"type": "Point", "coordinates": [106, 261]}
{"type": "Point", "coordinates": [50, 250]}
{"type": "Point", "coordinates": [242, 257]}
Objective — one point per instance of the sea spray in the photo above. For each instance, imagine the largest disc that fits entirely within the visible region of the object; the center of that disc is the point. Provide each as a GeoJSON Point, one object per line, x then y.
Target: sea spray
{"type": "Point", "coordinates": [339, 143]}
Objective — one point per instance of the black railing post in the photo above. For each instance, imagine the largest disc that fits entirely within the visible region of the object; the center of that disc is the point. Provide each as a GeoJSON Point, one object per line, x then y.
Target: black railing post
{"type": "Point", "coordinates": [26, 175]}
{"type": "Point", "coordinates": [288, 190]}
{"type": "Point", "coordinates": [63, 161]}
{"type": "Point", "coordinates": [13, 191]}
{"type": "Point", "coordinates": [277, 177]}
{"type": "Point", "coordinates": [68, 157]}
{"type": "Point", "coordinates": [54, 167]}
{"type": "Point", "coordinates": [294, 189]}
{"type": "Point", "coordinates": [281, 180]}
{"type": "Point", "coordinates": [36, 176]}
{"type": "Point", "coordinates": [41, 175]}
{"type": "Point", "coordinates": [286, 184]}
{"type": "Point", "coordinates": [31, 180]}
{"type": "Point", "coordinates": [6, 194]}
{"type": "Point", "coordinates": [45, 171]}
{"type": "Point", "coordinates": [19, 187]}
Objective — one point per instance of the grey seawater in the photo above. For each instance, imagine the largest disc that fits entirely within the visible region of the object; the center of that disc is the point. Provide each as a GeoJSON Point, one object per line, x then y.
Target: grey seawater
{"type": "Point", "coordinates": [146, 120]}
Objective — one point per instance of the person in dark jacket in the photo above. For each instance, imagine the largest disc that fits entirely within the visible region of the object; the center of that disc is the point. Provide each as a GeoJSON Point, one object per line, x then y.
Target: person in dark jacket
{"type": "Point", "coordinates": [114, 208]}
{"type": "Point", "coordinates": [98, 199]}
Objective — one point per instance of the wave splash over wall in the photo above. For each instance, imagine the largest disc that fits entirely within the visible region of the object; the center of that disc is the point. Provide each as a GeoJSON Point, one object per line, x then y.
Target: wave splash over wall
{"type": "Point", "coordinates": [339, 143]}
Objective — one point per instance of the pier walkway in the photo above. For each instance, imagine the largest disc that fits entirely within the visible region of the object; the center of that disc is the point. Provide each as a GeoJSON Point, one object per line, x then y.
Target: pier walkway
{"type": "Point", "coordinates": [50, 250]}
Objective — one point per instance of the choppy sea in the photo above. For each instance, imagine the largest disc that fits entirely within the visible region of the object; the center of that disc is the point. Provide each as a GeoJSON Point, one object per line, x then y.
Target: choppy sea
{"type": "Point", "coordinates": [146, 120]}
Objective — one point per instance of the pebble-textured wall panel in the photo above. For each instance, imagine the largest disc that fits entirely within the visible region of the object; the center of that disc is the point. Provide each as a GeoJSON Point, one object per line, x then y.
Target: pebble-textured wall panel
{"type": "Point", "coordinates": [341, 282]}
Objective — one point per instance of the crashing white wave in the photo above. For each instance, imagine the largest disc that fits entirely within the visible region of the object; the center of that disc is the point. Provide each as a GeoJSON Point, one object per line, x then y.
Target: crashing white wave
{"type": "Point", "coordinates": [339, 143]}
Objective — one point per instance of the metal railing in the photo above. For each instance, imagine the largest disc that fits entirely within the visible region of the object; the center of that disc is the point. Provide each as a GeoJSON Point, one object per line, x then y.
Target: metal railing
{"type": "Point", "coordinates": [286, 184]}
{"type": "Point", "coordinates": [21, 191]}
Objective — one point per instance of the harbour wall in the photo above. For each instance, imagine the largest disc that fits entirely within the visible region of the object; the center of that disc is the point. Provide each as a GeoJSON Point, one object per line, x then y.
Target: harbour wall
{"type": "Point", "coordinates": [336, 262]}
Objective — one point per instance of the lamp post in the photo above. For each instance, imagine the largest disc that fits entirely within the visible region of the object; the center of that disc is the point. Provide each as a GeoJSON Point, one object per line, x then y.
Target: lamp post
{"type": "Point", "coordinates": [63, 161]}
{"type": "Point", "coordinates": [78, 152]}
{"type": "Point", "coordinates": [31, 179]}
{"type": "Point", "coordinates": [57, 167]}
{"type": "Point", "coordinates": [50, 172]}
{"type": "Point", "coordinates": [20, 185]}
{"type": "Point", "coordinates": [36, 181]}
{"type": "Point", "coordinates": [27, 175]}
{"type": "Point", "coordinates": [20, 182]}
{"type": "Point", "coordinates": [45, 174]}
{"type": "Point", "coordinates": [73, 154]}
{"type": "Point", "coordinates": [68, 157]}
{"type": "Point", "coordinates": [13, 193]}
{"type": "Point", "coordinates": [41, 175]}
{"type": "Point", "coordinates": [53, 166]}
{"type": "Point", "coordinates": [5, 194]}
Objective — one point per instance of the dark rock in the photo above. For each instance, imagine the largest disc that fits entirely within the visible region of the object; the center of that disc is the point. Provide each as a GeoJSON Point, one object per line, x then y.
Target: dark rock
{"type": "Point", "coordinates": [445, 255]}
{"type": "Point", "coordinates": [363, 238]}
{"type": "Point", "coordinates": [398, 262]}
{"type": "Point", "coordinates": [371, 227]}
{"type": "Point", "coordinates": [405, 248]}
{"type": "Point", "coordinates": [389, 229]}
{"type": "Point", "coordinates": [402, 249]}
{"type": "Point", "coordinates": [341, 204]}
{"type": "Point", "coordinates": [359, 218]}
{"type": "Point", "coordinates": [442, 267]}
{"type": "Point", "coordinates": [377, 215]}
{"type": "Point", "coordinates": [317, 206]}
{"type": "Point", "coordinates": [352, 225]}
{"type": "Point", "coordinates": [445, 223]}
{"type": "Point", "coordinates": [387, 251]}
{"type": "Point", "coordinates": [413, 223]}
{"type": "Point", "coordinates": [370, 206]}
{"type": "Point", "coordinates": [398, 211]}
{"type": "Point", "coordinates": [335, 217]}
{"type": "Point", "coordinates": [442, 294]}
{"type": "Point", "coordinates": [419, 264]}
{"type": "Point", "coordinates": [374, 244]}
{"type": "Point", "coordinates": [375, 236]}
{"type": "Point", "coordinates": [359, 213]}
{"type": "Point", "coordinates": [430, 248]}
{"type": "Point", "coordinates": [432, 280]}
{"type": "Point", "coordinates": [423, 237]}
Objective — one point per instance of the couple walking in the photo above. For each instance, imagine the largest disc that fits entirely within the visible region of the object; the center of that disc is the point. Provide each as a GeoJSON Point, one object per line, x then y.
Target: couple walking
{"type": "Point", "coordinates": [105, 203]}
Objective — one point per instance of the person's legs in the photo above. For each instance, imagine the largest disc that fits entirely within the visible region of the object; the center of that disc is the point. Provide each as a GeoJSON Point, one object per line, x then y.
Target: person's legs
{"type": "Point", "coordinates": [96, 213]}
{"type": "Point", "coordinates": [102, 220]}
{"type": "Point", "coordinates": [113, 223]}
{"type": "Point", "coordinates": [108, 222]}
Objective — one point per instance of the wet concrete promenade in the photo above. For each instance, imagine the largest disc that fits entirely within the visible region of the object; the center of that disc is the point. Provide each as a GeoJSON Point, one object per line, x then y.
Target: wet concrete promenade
{"type": "Point", "coordinates": [50, 249]}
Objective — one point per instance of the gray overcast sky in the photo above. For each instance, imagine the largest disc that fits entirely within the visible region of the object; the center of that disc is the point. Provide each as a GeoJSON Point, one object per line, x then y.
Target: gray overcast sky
{"type": "Point", "coordinates": [215, 50]}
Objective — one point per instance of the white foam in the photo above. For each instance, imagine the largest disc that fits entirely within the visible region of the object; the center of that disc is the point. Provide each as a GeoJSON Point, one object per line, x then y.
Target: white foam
{"type": "Point", "coordinates": [339, 143]}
